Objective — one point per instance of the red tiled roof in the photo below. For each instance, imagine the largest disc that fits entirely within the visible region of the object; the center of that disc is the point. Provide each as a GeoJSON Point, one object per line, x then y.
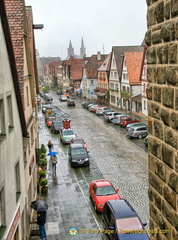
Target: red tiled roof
{"type": "Point", "coordinates": [134, 66]}
{"type": "Point", "coordinates": [93, 64]}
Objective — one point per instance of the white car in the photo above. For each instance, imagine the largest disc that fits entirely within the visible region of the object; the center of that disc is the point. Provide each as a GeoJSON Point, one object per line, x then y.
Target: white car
{"type": "Point", "coordinates": [63, 98]}
{"type": "Point", "coordinates": [101, 110]}
{"type": "Point", "coordinates": [66, 135]}
{"type": "Point", "coordinates": [108, 116]}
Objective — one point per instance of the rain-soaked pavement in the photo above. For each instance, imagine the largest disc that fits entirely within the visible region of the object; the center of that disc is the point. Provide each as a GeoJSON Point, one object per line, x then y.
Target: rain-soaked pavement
{"type": "Point", "coordinates": [113, 157]}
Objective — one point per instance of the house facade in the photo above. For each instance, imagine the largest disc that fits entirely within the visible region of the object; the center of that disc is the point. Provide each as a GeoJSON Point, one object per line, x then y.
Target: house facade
{"type": "Point", "coordinates": [89, 77]}
{"type": "Point", "coordinates": [130, 81]}
{"type": "Point", "coordinates": [12, 132]}
{"type": "Point", "coordinates": [144, 83]}
{"type": "Point", "coordinates": [21, 29]}
{"type": "Point", "coordinates": [116, 68]}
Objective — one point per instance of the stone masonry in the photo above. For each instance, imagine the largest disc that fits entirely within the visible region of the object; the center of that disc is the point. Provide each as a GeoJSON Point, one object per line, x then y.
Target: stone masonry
{"type": "Point", "coordinates": [162, 58]}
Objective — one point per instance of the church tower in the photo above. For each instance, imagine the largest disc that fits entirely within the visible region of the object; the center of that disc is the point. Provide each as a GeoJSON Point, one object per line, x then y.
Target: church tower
{"type": "Point", "coordinates": [70, 50]}
{"type": "Point", "coordinates": [82, 50]}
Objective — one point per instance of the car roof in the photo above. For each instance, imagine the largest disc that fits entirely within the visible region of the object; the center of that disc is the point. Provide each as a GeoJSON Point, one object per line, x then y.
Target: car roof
{"type": "Point", "coordinates": [102, 182]}
{"type": "Point", "coordinates": [121, 208]}
{"type": "Point", "coordinates": [76, 145]}
{"type": "Point", "coordinates": [139, 126]}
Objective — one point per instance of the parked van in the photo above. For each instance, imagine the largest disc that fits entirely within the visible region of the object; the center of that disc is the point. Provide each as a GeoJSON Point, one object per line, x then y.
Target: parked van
{"type": "Point", "coordinates": [121, 222]}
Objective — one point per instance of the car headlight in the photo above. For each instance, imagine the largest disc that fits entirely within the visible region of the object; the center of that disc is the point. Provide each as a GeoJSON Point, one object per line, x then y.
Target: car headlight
{"type": "Point", "coordinates": [86, 159]}
{"type": "Point", "coordinates": [73, 160]}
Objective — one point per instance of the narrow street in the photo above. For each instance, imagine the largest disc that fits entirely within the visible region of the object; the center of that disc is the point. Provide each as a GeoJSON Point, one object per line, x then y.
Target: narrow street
{"type": "Point", "coordinates": [113, 157]}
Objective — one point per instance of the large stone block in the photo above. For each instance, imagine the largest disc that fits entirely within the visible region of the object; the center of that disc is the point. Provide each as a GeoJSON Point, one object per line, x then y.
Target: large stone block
{"type": "Point", "coordinates": [156, 37]}
{"type": "Point", "coordinates": [171, 137]}
{"type": "Point", "coordinates": [151, 55]}
{"type": "Point", "coordinates": [172, 75]}
{"type": "Point", "coordinates": [168, 155]}
{"type": "Point", "coordinates": [176, 161]}
{"type": "Point", "coordinates": [162, 53]}
{"type": "Point", "coordinates": [168, 31]}
{"type": "Point", "coordinates": [173, 53]}
{"type": "Point", "coordinates": [174, 120]}
{"type": "Point", "coordinates": [168, 212]}
{"type": "Point", "coordinates": [174, 8]}
{"type": "Point", "coordinates": [176, 221]}
{"type": "Point", "coordinates": [151, 74]}
{"type": "Point", "coordinates": [151, 18]}
{"type": "Point", "coordinates": [168, 97]}
{"type": "Point", "coordinates": [156, 110]}
{"type": "Point", "coordinates": [165, 116]}
{"type": "Point", "coordinates": [173, 181]}
{"type": "Point", "coordinates": [148, 38]}
{"type": "Point", "coordinates": [157, 93]}
{"type": "Point", "coordinates": [155, 147]}
{"type": "Point", "coordinates": [156, 182]}
{"type": "Point", "coordinates": [170, 196]}
{"type": "Point", "coordinates": [159, 12]}
{"type": "Point", "coordinates": [158, 129]}
{"type": "Point", "coordinates": [167, 8]}
{"type": "Point", "coordinates": [160, 170]}
{"type": "Point", "coordinates": [161, 74]}
{"type": "Point", "coordinates": [176, 99]}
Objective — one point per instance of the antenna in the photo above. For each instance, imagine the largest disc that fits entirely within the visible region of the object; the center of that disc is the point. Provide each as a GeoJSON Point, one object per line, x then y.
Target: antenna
{"type": "Point", "coordinates": [103, 49]}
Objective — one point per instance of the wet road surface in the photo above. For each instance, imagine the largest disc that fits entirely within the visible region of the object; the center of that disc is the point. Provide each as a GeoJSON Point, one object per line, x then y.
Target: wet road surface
{"type": "Point", "coordinates": [113, 157]}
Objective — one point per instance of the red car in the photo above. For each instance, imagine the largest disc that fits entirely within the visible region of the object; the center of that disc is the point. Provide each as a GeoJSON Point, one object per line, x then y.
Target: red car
{"type": "Point", "coordinates": [49, 121]}
{"type": "Point", "coordinates": [79, 140]}
{"type": "Point", "coordinates": [127, 120]}
{"type": "Point", "coordinates": [102, 191]}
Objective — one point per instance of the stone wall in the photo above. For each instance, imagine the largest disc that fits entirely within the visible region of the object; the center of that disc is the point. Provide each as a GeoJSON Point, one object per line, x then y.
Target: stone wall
{"type": "Point", "coordinates": [162, 58]}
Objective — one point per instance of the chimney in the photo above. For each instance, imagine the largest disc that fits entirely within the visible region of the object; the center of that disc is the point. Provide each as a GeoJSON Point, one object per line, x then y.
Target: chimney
{"type": "Point", "coordinates": [98, 56]}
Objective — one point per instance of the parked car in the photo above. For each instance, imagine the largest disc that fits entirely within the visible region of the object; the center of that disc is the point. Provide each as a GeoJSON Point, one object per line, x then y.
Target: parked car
{"type": "Point", "coordinates": [90, 107]}
{"type": "Point", "coordinates": [66, 135]}
{"type": "Point", "coordinates": [101, 191]}
{"type": "Point", "coordinates": [56, 126]}
{"type": "Point", "coordinates": [134, 125]}
{"type": "Point", "coordinates": [48, 98]}
{"type": "Point", "coordinates": [49, 121]}
{"type": "Point", "coordinates": [59, 92]}
{"type": "Point", "coordinates": [116, 120]}
{"type": "Point", "coordinates": [101, 110]}
{"type": "Point", "coordinates": [95, 108]}
{"type": "Point", "coordinates": [62, 98]}
{"type": "Point", "coordinates": [78, 156]}
{"type": "Point", "coordinates": [126, 120]}
{"type": "Point", "coordinates": [108, 116]}
{"type": "Point", "coordinates": [79, 140]}
{"type": "Point", "coordinates": [137, 132]}
{"type": "Point", "coordinates": [41, 93]}
{"type": "Point", "coordinates": [86, 103]}
{"type": "Point", "coordinates": [71, 102]}
{"type": "Point", "coordinates": [121, 221]}
{"type": "Point", "coordinates": [44, 107]}
{"type": "Point", "coordinates": [146, 141]}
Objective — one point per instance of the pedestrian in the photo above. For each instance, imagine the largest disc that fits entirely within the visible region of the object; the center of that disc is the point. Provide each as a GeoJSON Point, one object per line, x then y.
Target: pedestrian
{"type": "Point", "coordinates": [54, 162]}
{"type": "Point", "coordinates": [41, 220]}
{"type": "Point", "coordinates": [50, 145]}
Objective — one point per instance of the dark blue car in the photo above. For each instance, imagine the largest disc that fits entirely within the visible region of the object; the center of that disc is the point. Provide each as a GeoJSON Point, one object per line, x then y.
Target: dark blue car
{"type": "Point", "coordinates": [121, 222]}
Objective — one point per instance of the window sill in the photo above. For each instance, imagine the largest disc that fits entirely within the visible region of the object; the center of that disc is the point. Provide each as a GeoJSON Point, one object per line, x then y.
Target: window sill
{"type": "Point", "coordinates": [11, 128]}
{"type": "Point", "coordinates": [2, 231]}
{"type": "Point", "coordinates": [18, 196]}
{"type": "Point", "coordinates": [2, 137]}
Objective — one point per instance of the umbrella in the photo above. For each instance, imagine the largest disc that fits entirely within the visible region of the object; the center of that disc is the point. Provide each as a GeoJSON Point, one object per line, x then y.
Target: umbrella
{"type": "Point", "coordinates": [52, 153]}
{"type": "Point", "coordinates": [79, 91]}
{"type": "Point", "coordinates": [39, 205]}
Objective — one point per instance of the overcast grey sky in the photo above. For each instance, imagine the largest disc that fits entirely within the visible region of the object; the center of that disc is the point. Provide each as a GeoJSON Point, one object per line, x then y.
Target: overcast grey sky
{"type": "Point", "coordinates": [100, 22]}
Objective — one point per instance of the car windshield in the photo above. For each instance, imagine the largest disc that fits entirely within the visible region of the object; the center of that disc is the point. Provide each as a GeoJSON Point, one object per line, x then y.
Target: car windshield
{"type": "Point", "coordinates": [51, 119]}
{"type": "Point", "coordinates": [57, 124]}
{"type": "Point", "coordinates": [106, 190]}
{"type": "Point", "coordinates": [128, 225]}
{"type": "Point", "coordinates": [78, 151]}
{"type": "Point", "coordinates": [68, 132]}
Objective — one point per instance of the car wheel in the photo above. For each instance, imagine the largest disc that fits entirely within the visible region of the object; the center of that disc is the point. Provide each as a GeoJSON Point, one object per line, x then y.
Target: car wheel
{"type": "Point", "coordinates": [139, 136]}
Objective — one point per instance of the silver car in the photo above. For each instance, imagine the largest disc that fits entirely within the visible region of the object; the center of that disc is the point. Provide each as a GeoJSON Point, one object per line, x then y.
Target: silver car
{"type": "Point", "coordinates": [137, 132]}
{"type": "Point", "coordinates": [101, 110]}
{"type": "Point", "coordinates": [108, 116]}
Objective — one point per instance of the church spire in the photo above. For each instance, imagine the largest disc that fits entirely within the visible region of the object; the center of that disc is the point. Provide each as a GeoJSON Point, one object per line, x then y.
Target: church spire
{"type": "Point", "coordinates": [70, 50]}
{"type": "Point", "coordinates": [82, 49]}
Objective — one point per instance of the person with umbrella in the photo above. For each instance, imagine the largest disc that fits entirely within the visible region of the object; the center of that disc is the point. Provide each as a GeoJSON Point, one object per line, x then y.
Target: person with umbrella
{"type": "Point", "coordinates": [40, 206]}
{"type": "Point", "coordinates": [54, 162]}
